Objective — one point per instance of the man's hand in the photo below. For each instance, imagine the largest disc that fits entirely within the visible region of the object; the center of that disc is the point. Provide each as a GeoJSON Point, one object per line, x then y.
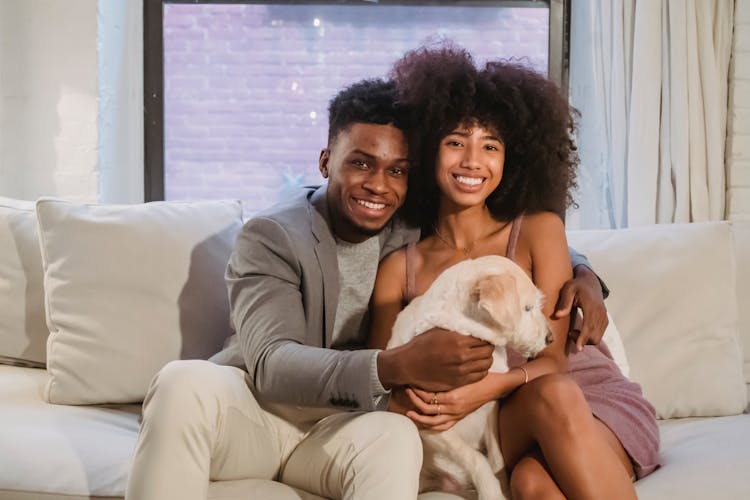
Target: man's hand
{"type": "Point", "coordinates": [584, 291]}
{"type": "Point", "coordinates": [437, 360]}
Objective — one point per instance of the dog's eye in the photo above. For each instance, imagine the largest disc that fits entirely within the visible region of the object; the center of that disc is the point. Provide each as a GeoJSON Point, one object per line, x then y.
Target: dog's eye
{"type": "Point", "coordinates": [528, 308]}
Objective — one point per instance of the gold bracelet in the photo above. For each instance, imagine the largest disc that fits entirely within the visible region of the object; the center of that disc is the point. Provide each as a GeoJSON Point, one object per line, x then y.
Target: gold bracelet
{"type": "Point", "coordinates": [525, 374]}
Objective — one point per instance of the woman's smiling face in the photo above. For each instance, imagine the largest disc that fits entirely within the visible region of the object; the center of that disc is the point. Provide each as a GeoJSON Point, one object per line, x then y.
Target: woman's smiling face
{"type": "Point", "coordinates": [469, 164]}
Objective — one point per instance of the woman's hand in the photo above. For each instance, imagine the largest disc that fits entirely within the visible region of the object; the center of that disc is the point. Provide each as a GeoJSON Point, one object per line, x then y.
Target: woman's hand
{"type": "Point", "coordinates": [400, 402]}
{"type": "Point", "coordinates": [439, 411]}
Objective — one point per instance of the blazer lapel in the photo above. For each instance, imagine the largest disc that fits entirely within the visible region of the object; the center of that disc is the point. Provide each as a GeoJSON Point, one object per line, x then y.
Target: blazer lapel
{"type": "Point", "coordinates": [325, 251]}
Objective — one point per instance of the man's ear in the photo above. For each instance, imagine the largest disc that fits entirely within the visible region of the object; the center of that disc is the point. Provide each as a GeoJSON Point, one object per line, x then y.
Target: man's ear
{"type": "Point", "coordinates": [498, 297]}
{"type": "Point", "coordinates": [325, 155]}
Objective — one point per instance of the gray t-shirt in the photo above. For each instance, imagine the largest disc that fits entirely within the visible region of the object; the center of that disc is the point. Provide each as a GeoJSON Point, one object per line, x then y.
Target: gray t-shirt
{"type": "Point", "coordinates": [358, 266]}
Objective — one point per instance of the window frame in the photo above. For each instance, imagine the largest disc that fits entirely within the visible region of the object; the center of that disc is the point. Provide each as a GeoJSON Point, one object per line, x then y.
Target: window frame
{"type": "Point", "coordinates": [153, 63]}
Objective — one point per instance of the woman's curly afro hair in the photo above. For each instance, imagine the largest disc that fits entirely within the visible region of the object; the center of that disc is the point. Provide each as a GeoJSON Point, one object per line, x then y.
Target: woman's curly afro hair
{"type": "Point", "coordinates": [443, 88]}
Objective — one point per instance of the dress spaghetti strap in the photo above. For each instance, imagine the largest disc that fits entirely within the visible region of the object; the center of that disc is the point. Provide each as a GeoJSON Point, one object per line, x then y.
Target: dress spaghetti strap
{"type": "Point", "coordinates": [515, 228]}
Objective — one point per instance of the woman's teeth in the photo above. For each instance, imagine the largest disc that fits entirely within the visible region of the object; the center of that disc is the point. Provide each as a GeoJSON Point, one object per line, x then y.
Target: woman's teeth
{"type": "Point", "coordinates": [471, 181]}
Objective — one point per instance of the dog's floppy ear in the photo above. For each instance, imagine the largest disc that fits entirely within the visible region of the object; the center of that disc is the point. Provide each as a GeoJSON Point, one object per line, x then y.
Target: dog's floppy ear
{"type": "Point", "coordinates": [497, 295]}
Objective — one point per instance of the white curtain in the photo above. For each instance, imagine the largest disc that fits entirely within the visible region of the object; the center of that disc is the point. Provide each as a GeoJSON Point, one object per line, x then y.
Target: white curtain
{"type": "Point", "coordinates": [650, 80]}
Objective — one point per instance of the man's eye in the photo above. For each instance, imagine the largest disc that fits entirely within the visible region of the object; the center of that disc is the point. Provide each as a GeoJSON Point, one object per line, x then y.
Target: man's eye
{"type": "Point", "coordinates": [399, 171]}
{"type": "Point", "coordinates": [360, 163]}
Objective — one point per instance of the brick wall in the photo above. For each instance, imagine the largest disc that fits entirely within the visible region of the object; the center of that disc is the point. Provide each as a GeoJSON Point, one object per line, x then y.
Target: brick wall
{"type": "Point", "coordinates": [738, 129]}
{"type": "Point", "coordinates": [247, 86]}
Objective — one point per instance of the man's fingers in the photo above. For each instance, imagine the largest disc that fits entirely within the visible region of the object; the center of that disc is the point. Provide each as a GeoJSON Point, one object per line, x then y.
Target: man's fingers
{"type": "Point", "coordinates": [581, 341]}
{"type": "Point", "coordinates": [565, 301]}
{"type": "Point", "coordinates": [478, 367]}
{"type": "Point", "coordinates": [592, 330]}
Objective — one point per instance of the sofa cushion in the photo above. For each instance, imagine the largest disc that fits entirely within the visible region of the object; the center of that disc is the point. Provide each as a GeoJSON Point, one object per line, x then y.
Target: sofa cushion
{"type": "Point", "coordinates": [673, 298]}
{"type": "Point", "coordinates": [73, 450]}
{"type": "Point", "coordinates": [741, 232]}
{"type": "Point", "coordinates": [129, 288]}
{"type": "Point", "coordinates": [23, 331]}
{"type": "Point", "coordinates": [701, 459]}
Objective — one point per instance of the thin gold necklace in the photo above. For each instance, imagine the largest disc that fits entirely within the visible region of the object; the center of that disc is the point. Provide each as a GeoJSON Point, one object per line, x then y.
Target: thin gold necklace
{"type": "Point", "coordinates": [466, 250]}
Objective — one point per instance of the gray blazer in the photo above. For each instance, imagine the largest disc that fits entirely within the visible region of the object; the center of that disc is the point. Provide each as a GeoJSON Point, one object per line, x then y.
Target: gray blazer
{"type": "Point", "coordinates": [283, 292]}
{"type": "Point", "coordinates": [283, 285]}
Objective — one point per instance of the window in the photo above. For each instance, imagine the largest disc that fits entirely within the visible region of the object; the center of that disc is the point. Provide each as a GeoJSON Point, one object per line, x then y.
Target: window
{"type": "Point", "coordinates": [237, 93]}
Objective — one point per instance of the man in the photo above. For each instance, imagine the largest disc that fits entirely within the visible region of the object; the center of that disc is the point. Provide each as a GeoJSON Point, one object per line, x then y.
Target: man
{"type": "Point", "coordinates": [299, 282]}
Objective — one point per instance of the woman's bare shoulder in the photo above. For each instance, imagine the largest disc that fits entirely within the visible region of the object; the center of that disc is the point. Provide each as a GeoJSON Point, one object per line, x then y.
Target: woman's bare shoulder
{"type": "Point", "coordinates": [543, 220]}
{"type": "Point", "coordinates": [393, 265]}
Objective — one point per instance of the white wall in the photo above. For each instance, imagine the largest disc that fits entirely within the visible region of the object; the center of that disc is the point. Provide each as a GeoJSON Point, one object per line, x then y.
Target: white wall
{"type": "Point", "coordinates": [48, 99]}
{"type": "Point", "coordinates": [738, 130]}
{"type": "Point", "coordinates": [71, 80]}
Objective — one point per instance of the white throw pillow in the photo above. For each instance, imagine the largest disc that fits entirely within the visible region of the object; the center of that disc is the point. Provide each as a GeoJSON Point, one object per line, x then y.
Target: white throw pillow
{"type": "Point", "coordinates": [673, 298]}
{"type": "Point", "coordinates": [614, 343]}
{"type": "Point", "coordinates": [129, 288]}
{"type": "Point", "coordinates": [23, 331]}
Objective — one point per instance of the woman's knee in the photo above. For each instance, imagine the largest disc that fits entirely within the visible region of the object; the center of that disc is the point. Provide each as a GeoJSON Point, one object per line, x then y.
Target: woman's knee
{"type": "Point", "coordinates": [530, 480]}
{"type": "Point", "coordinates": [558, 395]}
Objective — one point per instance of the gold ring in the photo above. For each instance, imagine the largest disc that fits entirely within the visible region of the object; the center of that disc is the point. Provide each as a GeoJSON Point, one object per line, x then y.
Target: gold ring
{"type": "Point", "coordinates": [438, 408]}
{"type": "Point", "coordinates": [434, 400]}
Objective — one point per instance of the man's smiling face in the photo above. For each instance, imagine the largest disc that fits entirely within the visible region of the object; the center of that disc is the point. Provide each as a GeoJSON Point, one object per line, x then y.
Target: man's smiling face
{"type": "Point", "coordinates": [367, 168]}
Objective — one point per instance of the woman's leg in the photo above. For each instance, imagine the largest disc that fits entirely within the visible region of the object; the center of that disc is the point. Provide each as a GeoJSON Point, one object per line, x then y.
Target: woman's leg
{"type": "Point", "coordinates": [550, 412]}
{"type": "Point", "coordinates": [531, 479]}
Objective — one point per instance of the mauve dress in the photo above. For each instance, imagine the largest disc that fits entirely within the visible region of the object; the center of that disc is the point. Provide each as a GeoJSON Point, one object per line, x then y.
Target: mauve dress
{"type": "Point", "coordinates": [614, 399]}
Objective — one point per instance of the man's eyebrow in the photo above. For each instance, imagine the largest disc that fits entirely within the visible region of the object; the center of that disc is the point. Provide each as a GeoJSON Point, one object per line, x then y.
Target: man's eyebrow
{"type": "Point", "coordinates": [362, 152]}
{"type": "Point", "coordinates": [372, 157]}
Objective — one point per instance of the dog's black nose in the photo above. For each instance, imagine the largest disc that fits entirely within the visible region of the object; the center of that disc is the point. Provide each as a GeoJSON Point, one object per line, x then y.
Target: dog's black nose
{"type": "Point", "coordinates": [550, 337]}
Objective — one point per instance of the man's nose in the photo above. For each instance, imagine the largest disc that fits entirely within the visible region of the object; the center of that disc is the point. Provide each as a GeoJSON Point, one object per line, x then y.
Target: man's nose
{"type": "Point", "coordinates": [376, 181]}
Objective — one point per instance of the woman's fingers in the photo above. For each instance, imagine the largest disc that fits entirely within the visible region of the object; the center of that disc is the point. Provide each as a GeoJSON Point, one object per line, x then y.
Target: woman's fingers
{"type": "Point", "coordinates": [433, 407]}
{"type": "Point", "coordinates": [432, 422]}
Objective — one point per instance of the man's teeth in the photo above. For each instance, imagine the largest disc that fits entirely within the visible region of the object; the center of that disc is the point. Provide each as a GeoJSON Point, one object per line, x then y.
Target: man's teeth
{"type": "Point", "coordinates": [472, 181]}
{"type": "Point", "coordinates": [371, 205]}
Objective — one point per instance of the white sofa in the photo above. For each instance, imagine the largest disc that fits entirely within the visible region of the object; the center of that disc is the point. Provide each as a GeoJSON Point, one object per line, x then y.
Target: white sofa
{"type": "Point", "coordinates": [120, 291]}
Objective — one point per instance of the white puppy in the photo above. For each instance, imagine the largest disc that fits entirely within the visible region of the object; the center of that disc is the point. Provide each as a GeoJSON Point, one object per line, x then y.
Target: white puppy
{"type": "Point", "coordinates": [493, 299]}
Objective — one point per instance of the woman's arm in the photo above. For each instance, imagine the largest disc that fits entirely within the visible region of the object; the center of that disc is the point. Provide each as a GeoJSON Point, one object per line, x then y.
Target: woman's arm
{"type": "Point", "coordinates": [544, 244]}
{"type": "Point", "coordinates": [387, 298]}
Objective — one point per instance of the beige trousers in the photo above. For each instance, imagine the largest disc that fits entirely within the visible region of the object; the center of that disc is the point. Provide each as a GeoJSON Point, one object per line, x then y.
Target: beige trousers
{"type": "Point", "coordinates": [201, 423]}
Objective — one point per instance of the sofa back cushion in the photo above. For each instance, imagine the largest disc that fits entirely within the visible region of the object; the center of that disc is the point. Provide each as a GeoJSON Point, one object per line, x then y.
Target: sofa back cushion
{"type": "Point", "coordinates": [129, 288]}
{"type": "Point", "coordinates": [23, 331]}
{"type": "Point", "coordinates": [673, 297]}
{"type": "Point", "coordinates": [741, 232]}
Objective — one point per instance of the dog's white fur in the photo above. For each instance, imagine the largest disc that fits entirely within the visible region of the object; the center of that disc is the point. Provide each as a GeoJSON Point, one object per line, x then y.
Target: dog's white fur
{"type": "Point", "coordinates": [493, 299]}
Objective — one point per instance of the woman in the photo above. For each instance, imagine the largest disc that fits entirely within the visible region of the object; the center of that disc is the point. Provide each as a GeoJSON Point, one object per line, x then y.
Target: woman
{"type": "Point", "coordinates": [494, 168]}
